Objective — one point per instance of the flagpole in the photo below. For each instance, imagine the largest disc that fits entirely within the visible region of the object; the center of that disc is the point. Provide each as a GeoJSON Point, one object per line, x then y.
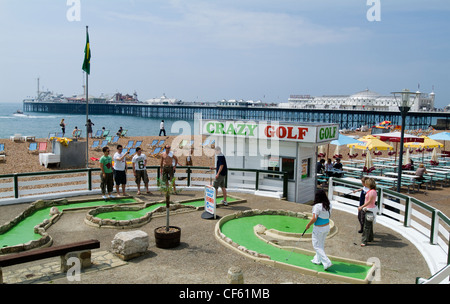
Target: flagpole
{"type": "Point", "coordinates": [87, 115]}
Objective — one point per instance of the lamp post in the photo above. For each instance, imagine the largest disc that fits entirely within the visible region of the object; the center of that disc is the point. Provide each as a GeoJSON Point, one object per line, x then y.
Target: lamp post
{"type": "Point", "coordinates": [404, 105]}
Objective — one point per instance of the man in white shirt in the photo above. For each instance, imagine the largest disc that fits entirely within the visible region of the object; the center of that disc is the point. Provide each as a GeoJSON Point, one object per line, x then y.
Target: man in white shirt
{"type": "Point", "coordinates": [161, 128]}
{"type": "Point", "coordinates": [120, 169]}
{"type": "Point", "coordinates": [139, 162]}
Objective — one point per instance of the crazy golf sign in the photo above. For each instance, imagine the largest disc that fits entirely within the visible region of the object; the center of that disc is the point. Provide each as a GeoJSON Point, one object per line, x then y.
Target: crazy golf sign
{"type": "Point", "coordinates": [308, 133]}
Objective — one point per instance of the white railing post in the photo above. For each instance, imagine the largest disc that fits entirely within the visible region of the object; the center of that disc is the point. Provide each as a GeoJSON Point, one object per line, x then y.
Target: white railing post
{"type": "Point", "coordinates": [381, 203]}
{"type": "Point", "coordinates": [330, 188]}
{"type": "Point", "coordinates": [434, 227]}
{"type": "Point", "coordinates": [408, 213]}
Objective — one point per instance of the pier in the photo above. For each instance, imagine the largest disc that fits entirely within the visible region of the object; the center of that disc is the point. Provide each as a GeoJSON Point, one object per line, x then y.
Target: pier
{"type": "Point", "coordinates": [347, 119]}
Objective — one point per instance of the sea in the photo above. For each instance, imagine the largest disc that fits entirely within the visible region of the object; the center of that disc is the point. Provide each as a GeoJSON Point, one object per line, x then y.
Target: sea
{"type": "Point", "coordinates": [41, 124]}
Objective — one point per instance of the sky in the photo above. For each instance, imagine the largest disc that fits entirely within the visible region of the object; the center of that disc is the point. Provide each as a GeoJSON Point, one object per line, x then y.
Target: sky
{"type": "Point", "coordinates": [208, 50]}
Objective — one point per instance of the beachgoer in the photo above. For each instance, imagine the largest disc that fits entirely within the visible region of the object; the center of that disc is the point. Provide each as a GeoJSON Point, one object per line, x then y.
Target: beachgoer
{"type": "Point", "coordinates": [189, 157]}
{"type": "Point", "coordinates": [321, 213]}
{"type": "Point", "coordinates": [329, 168]}
{"type": "Point", "coordinates": [362, 198]}
{"type": "Point", "coordinates": [139, 162]}
{"type": "Point", "coordinates": [75, 132]}
{"type": "Point", "coordinates": [338, 164]}
{"type": "Point", "coordinates": [161, 128]}
{"type": "Point", "coordinates": [119, 133]}
{"type": "Point", "coordinates": [106, 177]}
{"type": "Point", "coordinates": [167, 166]}
{"type": "Point", "coordinates": [89, 125]}
{"type": "Point", "coordinates": [63, 127]}
{"type": "Point", "coordinates": [420, 172]}
{"type": "Point", "coordinates": [120, 169]}
{"type": "Point", "coordinates": [320, 166]}
{"type": "Point", "coordinates": [370, 210]}
{"type": "Point", "coordinates": [221, 173]}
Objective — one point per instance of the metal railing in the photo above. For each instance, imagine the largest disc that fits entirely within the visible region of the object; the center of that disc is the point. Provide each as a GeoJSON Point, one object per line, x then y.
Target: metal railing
{"type": "Point", "coordinates": [21, 187]}
{"type": "Point", "coordinates": [431, 223]}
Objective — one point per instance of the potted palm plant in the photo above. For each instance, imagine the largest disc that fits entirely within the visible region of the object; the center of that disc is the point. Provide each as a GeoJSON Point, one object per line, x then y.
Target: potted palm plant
{"type": "Point", "coordinates": [167, 236]}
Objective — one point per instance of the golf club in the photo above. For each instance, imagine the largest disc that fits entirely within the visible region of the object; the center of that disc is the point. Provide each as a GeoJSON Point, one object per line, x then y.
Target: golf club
{"type": "Point", "coordinates": [298, 242]}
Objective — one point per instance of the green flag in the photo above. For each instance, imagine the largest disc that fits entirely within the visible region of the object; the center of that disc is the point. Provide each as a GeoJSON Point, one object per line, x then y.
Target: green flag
{"type": "Point", "coordinates": [87, 56]}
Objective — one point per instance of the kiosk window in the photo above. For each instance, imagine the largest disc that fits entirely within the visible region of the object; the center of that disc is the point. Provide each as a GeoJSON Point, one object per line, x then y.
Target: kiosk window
{"type": "Point", "coordinates": [282, 164]}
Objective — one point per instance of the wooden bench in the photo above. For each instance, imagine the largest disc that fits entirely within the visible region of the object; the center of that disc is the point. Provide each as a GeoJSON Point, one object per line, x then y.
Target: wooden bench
{"type": "Point", "coordinates": [44, 253]}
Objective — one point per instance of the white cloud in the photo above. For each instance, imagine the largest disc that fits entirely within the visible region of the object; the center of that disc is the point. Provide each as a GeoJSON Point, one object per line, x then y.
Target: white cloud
{"type": "Point", "coordinates": [226, 27]}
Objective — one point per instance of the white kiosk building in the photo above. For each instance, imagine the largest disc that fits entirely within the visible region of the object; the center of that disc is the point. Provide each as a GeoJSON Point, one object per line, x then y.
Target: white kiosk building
{"type": "Point", "coordinates": [272, 146]}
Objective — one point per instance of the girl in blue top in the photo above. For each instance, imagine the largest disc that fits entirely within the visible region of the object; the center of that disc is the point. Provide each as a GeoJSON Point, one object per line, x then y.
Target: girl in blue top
{"type": "Point", "coordinates": [321, 219]}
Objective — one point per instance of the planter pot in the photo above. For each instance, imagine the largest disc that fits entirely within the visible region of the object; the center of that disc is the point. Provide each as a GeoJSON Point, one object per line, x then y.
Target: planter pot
{"type": "Point", "coordinates": [168, 239]}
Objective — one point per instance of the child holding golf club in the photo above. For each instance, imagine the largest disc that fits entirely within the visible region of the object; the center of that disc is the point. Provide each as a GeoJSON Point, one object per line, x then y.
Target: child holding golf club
{"type": "Point", "coordinates": [321, 221]}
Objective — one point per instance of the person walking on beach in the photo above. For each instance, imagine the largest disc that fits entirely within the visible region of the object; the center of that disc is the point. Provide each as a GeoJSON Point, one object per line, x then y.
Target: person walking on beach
{"type": "Point", "coordinates": [139, 162]}
{"type": "Point", "coordinates": [370, 210]}
{"type": "Point", "coordinates": [189, 157]}
{"type": "Point", "coordinates": [362, 198]}
{"type": "Point", "coordinates": [167, 166]}
{"type": "Point", "coordinates": [161, 128]}
{"type": "Point", "coordinates": [63, 127]}
{"type": "Point", "coordinates": [106, 177]}
{"type": "Point", "coordinates": [120, 169]}
{"type": "Point", "coordinates": [89, 125]}
{"type": "Point", "coordinates": [321, 213]}
{"type": "Point", "coordinates": [221, 173]}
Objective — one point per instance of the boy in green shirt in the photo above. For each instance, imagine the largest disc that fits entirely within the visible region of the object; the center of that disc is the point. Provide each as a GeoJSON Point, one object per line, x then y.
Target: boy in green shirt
{"type": "Point", "coordinates": [106, 177]}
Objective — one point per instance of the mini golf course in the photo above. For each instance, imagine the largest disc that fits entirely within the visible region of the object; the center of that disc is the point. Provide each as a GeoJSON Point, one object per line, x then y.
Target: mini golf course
{"type": "Point", "coordinates": [240, 232]}
{"type": "Point", "coordinates": [22, 230]}
{"type": "Point", "coordinates": [122, 215]}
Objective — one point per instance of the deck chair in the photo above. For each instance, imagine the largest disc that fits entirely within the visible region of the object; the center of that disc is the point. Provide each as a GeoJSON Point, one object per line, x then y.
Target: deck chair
{"type": "Point", "coordinates": [95, 144]}
{"type": "Point", "coordinates": [98, 134]}
{"type": "Point", "coordinates": [182, 143]}
{"type": "Point", "coordinates": [105, 133]}
{"type": "Point", "coordinates": [104, 143]}
{"type": "Point", "coordinates": [2, 149]}
{"type": "Point", "coordinates": [206, 142]}
{"type": "Point", "coordinates": [115, 140]}
{"type": "Point", "coordinates": [50, 135]}
{"type": "Point", "coordinates": [153, 144]}
{"type": "Point", "coordinates": [43, 147]}
{"type": "Point", "coordinates": [155, 152]}
{"type": "Point", "coordinates": [138, 143]}
{"type": "Point", "coordinates": [108, 138]}
{"type": "Point", "coordinates": [161, 142]}
{"type": "Point", "coordinates": [130, 144]}
{"type": "Point", "coordinates": [124, 132]}
{"type": "Point", "coordinates": [132, 151]}
{"type": "Point", "coordinates": [33, 147]}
